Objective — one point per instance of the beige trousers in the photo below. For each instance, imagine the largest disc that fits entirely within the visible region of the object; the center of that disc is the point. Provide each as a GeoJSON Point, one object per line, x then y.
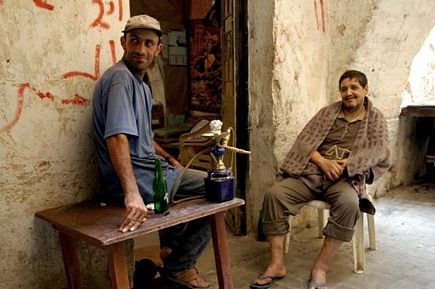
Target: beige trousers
{"type": "Point", "coordinates": [288, 196]}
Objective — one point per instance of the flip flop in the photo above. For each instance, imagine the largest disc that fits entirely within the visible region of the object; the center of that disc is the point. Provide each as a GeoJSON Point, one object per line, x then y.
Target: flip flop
{"type": "Point", "coordinates": [255, 285]}
{"type": "Point", "coordinates": [315, 285]}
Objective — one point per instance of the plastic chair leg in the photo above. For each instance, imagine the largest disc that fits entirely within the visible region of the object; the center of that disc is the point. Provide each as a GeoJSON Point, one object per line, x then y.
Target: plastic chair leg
{"type": "Point", "coordinates": [372, 231]}
{"type": "Point", "coordinates": [358, 246]}
{"type": "Point", "coordinates": [321, 223]}
{"type": "Point", "coordinates": [287, 236]}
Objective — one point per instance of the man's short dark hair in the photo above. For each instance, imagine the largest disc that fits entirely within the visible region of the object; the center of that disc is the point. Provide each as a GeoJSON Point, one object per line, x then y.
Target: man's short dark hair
{"type": "Point", "coordinates": [361, 77]}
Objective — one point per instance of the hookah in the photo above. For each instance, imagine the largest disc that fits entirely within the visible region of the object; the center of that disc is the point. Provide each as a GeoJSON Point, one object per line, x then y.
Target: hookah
{"type": "Point", "coordinates": [219, 184]}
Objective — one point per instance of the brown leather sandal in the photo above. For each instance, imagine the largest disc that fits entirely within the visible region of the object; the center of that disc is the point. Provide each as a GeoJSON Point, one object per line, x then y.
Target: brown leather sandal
{"type": "Point", "coordinates": [190, 279]}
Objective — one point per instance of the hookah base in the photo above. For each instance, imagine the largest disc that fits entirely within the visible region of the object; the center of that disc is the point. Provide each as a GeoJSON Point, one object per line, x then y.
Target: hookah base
{"type": "Point", "coordinates": [219, 190]}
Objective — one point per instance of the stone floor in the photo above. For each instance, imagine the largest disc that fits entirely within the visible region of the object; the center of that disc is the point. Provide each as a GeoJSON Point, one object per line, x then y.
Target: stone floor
{"type": "Point", "coordinates": [405, 255]}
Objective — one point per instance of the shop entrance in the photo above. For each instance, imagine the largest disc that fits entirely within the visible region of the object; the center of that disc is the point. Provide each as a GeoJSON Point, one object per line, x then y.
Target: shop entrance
{"type": "Point", "coordinates": [201, 75]}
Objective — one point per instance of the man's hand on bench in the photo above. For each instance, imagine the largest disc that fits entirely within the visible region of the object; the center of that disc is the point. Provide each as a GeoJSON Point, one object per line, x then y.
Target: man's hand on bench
{"type": "Point", "coordinates": [136, 213]}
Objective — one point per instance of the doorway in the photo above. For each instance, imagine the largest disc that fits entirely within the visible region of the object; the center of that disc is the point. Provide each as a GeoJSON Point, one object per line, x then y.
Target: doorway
{"type": "Point", "coordinates": [207, 75]}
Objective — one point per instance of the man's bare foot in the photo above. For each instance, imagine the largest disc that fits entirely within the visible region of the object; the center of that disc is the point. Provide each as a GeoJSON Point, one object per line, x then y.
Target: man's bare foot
{"type": "Point", "coordinates": [317, 279]}
{"type": "Point", "coordinates": [272, 273]}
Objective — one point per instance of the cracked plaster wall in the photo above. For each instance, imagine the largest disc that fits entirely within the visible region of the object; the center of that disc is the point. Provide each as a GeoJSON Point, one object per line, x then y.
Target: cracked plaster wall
{"type": "Point", "coordinates": [51, 54]}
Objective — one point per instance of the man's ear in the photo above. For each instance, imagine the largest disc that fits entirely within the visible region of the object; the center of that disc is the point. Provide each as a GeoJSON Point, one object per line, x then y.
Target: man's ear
{"type": "Point", "coordinates": [366, 89]}
{"type": "Point", "coordinates": [159, 48]}
{"type": "Point", "coordinates": [123, 40]}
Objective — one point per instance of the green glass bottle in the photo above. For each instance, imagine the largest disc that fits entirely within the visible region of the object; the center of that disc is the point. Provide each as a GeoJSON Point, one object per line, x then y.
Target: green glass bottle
{"type": "Point", "coordinates": [161, 202]}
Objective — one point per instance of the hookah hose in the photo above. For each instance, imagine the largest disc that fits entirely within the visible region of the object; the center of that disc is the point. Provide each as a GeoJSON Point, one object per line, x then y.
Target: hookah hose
{"type": "Point", "coordinates": [177, 180]}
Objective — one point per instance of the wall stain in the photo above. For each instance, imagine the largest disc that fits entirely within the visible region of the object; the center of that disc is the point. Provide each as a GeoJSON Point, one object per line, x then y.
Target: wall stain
{"type": "Point", "coordinates": [341, 29]}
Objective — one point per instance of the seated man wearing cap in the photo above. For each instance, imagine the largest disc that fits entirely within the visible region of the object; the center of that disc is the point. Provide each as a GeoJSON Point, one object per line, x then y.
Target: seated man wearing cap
{"type": "Point", "coordinates": [126, 152]}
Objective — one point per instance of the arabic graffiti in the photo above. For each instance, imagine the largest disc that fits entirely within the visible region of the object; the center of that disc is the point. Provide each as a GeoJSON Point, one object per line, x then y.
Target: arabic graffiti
{"type": "Point", "coordinates": [109, 11]}
{"type": "Point", "coordinates": [17, 115]}
{"type": "Point", "coordinates": [96, 74]}
{"type": "Point", "coordinates": [112, 50]}
{"type": "Point", "coordinates": [43, 4]}
{"type": "Point", "coordinates": [322, 14]}
{"type": "Point", "coordinates": [99, 20]}
{"type": "Point", "coordinates": [77, 100]}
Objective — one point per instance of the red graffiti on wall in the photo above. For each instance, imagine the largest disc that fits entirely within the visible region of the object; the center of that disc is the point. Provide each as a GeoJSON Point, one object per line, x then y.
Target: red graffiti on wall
{"type": "Point", "coordinates": [322, 14]}
{"type": "Point", "coordinates": [96, 74]}
{"type": "Point", "coordinates": [43, 4]}
{"type": "Point", "coordinates": [19, 110]}
{"type": "Point", "coordinates": [112, 50]}
{"type": "Point", "coordinates": [99, 20]}
{"type": "Point", "coordinates": [78, 100]}
{"type": "Point", "coordinates": [47, 95]}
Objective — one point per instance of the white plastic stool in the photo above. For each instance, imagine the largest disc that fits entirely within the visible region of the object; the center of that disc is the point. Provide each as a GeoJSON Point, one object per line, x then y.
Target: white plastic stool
{"type": "Point", "coordinates": [358, 238]}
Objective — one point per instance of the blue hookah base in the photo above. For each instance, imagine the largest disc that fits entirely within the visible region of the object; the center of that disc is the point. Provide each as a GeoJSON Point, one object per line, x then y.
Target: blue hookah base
{"type": "Point", "coordinates": [219, 190]}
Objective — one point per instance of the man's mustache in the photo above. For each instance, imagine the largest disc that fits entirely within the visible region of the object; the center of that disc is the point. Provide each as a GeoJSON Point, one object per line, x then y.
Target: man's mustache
{"type": "Point", "coordinates": [142, 55]}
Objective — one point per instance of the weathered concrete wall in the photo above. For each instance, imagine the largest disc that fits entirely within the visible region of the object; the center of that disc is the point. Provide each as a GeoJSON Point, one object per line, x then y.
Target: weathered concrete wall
{"type": "Point", "coordinates": [262, 130]}
{"type": "Point", "coordinates": [51, 54]}
{"type": "Point", "coordinates": [396, 33]}
{"type": "Point", "coordinates": [313, 43]}
{"type": "Point", "coordinates": [383, 43]}
{"type": "Point", "coordinates": [300, 66]}
{"type": "Point", "coordinates": [301, 46]}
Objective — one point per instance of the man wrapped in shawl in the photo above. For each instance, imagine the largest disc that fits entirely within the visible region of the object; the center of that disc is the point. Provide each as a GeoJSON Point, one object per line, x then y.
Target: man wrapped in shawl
{"type": "Point", "coordinates": [343, 147]}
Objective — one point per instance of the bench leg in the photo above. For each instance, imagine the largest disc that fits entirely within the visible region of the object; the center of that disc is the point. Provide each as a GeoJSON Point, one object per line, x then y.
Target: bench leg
{"type": "Point", "coordinates": [70, 261]}
{"type": "Point", "coordinates": [118, 269]}
{"type": "Point", "coordinates": [221, 253]}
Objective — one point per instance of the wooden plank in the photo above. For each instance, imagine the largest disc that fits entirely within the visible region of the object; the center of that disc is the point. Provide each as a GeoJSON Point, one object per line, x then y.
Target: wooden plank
{"type": "Point", "coordinates": [418, 111]}
{"type": "Point", "coordinates": [99, 225]}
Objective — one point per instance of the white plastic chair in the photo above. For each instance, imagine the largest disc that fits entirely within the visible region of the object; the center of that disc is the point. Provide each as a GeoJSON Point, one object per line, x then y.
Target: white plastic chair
{"type": "Point", "coordinates": [358, 238]}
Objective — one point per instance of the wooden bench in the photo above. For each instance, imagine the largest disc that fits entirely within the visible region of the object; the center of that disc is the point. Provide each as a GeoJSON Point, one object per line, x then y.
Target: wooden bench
{"type": "Point", "coordinates": [98, 226]}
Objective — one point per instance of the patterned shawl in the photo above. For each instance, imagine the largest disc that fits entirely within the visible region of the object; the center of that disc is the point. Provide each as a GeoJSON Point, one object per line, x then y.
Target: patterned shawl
{"type": "Point", "coordinates": [369, 157]}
